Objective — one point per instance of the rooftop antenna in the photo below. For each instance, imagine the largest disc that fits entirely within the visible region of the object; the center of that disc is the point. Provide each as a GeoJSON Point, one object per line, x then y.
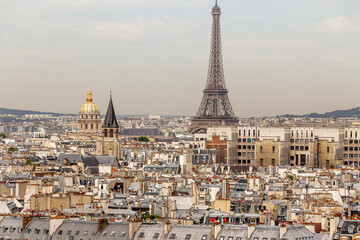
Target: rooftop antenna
{"type": "Point", "coordinates": [216, 2]}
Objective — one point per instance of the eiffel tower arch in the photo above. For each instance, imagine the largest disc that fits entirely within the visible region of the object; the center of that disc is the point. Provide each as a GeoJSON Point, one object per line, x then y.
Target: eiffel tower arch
{"type": "Point", "coordinates": [215, 107]}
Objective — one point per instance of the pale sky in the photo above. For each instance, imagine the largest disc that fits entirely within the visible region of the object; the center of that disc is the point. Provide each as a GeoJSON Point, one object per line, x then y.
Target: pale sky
{"type": "Point", "coordinates": [280, 56]}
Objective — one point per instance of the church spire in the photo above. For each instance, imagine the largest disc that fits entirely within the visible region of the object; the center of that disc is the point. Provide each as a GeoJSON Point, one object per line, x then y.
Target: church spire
{"type": "Point", "coordinates": [110, 118]}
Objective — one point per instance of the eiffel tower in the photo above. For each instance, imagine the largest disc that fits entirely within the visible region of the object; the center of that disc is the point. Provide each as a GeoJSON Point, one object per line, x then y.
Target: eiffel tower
{"type": "Point", "coordinates": [215, 108]}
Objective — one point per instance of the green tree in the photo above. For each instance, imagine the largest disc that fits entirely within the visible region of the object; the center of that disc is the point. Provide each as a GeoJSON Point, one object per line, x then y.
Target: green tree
{"type": "Point", "coordinates": [201, 220]}
{"type": "Point", "coordinates": [143, 139]}
{"type": "Point", "coordinates": [2, 135]}
{"type": "Point", "coordinates": [151, 216]}
{"type": "Point", "coordinates": [28, 162]}
{"type": "Point", "coordinates": [12, 149]}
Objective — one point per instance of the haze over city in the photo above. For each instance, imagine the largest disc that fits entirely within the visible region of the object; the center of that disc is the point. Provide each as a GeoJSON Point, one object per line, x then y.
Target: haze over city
{"type": "Point", "coordinates": [279, 56]}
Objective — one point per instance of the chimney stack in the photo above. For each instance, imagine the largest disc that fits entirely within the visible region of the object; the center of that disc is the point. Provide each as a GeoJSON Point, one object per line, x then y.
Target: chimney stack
{"type": "Point", "coordinates": [134, 225]}
{"type": "Point", "coordinates": [167, 227]}
{"type": "Point", "coordinates": [26, 219]}
{"type": "Point", "coordinates": [102, 224]}
{"type": "Point", "coordinates": [282, 230]}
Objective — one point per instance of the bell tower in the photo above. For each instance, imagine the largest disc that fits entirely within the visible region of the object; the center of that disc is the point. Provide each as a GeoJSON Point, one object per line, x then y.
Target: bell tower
{"type": "Point", "coordinates": [109, 143]}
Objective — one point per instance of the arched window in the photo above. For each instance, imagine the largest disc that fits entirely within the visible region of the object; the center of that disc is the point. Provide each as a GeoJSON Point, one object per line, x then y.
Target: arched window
{"type": "Point", "coordinates": [86, 126]}
{"type": "Point", "coordinates": [105, 133]}
{"type": "Point", "coordinates": [111, 133]}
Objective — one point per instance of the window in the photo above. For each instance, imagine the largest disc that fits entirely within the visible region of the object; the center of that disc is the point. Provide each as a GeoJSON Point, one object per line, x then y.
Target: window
{"type": "Point", "coordinates": [188, 237]}
{"type": "Point", "coordinates": [222, 238]}
{"type": "Point", "coordinates": [231, 238]}
{"type": "Point", "coordinates": [204, 237]}
{"type": "Point", "coordinates": [156, 235]}
{"type": "Point", "coordinates": [121, 235]}
{"type": "Point", "coordinates": [37, 231]}
{"type": "Point", "coordinates": [60, 232]}
{"type": "Point", "coordinates": [68, 232]}
{"type": "Point", "coordinates": [77, 233]}
{"type": "Point", "coordinates": [273, 162]}
{"type": "Point", "coordinates": [141, 235]}
{"type": "Point", "coordinates": [238, 238]}
{"type": "Point", "coordinates": [292, 148]}
{"type": "Point", "coordinates": [85, 233]}
{"type": "Point", "coordinates": [261, 162]}
{"type": "Point", "coordinates": [172, 236]}
{"type": "Point", "coordinates": [104, 233]}
{"type": "Point", "coordinates": [261, 149]}
{"type": "Point", "coordinates": [71, 237]}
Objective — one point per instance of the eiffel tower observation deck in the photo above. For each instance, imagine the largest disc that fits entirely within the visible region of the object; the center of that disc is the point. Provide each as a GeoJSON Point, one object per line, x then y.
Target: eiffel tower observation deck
{"type": "Point", "coordinates": [215, 107]}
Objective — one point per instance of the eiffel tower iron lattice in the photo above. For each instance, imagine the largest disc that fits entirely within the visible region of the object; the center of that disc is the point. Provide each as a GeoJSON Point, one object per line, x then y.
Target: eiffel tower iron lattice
{"type": "Point", "coordinates": [215, 107]}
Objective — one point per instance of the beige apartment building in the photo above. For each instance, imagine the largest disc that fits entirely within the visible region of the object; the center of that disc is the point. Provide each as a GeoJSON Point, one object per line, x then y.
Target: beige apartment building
{"type": "Point", "coordinates": [295, 146]}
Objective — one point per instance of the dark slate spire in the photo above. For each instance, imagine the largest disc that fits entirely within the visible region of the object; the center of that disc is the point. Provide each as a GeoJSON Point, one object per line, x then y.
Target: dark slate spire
{"type": "Point", "coordinates": [110, 118]}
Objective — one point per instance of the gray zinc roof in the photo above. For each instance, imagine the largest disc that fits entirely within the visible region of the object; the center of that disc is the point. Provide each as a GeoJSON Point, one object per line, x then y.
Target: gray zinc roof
{"type": "Point", "coordinates": [115, 231]}
{"type": "Point", "coordinates": [77, 229]}
{"type": "Point", "coordinates": [189, 232]}
{"type": "Point", "coordinates": [37, 229]}
{"type": "Point", "coordinates": [10, 228]}
{"type": "Point", "coordinates": [150, 231]}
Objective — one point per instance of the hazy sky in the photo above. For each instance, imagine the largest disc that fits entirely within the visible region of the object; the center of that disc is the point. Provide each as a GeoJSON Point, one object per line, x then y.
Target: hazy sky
{"type": "Point", "coordinates": [280, 56]}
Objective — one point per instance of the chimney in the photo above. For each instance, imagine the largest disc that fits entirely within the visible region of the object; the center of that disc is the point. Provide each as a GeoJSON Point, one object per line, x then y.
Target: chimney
{"type": "Point", "coordinates": [251, 229]}
{"type": "Point", "coordinates": [282, 230]}
{"type": "Point", "coordinates": [102, 224]}
{"type": "Point", "coordinates": [288, 210]}
{"type": "Point", "coordinates": [167, 227]}
{"type": "Point", "coordinates": [134, 225]}
{"type": "Point", "coordinates": [216, 228]}
{"type": "Point", "coordinates": [26, 219]}
{"type": "Point", "coordinates": [334, 222]}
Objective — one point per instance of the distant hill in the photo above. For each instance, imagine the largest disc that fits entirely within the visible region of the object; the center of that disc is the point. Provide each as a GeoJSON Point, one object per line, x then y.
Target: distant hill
{"type": "Point", "coordinates": [23, 112]}
{"type": "Point", "coordinates": [354, 112]}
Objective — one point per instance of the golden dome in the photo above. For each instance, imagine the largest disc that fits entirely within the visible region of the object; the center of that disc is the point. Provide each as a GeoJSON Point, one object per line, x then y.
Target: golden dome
{"type": "Point", "coordinates": [89, 107]}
